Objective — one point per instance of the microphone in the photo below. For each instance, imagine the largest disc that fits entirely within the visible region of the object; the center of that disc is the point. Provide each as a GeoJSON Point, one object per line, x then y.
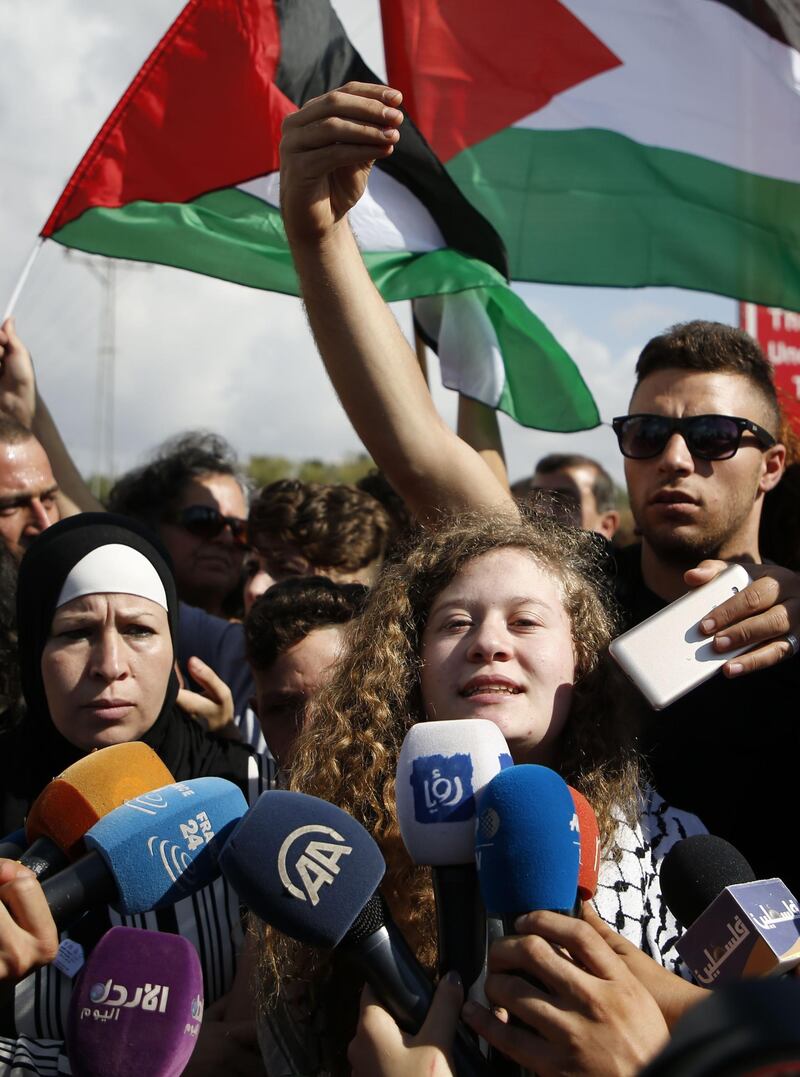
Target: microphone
{"type": "Point", "coordinates": [527, 849]}
{"type": "Point", "coordinates": [86, 791]}
{"type": "Point", "coordinates": [527, 843]}
{"type": "Point", "coordinates": [749, 1029]}
{"type": "Point", "coordinates": [153, 850]}
{"type": "Point", "coordinates": [136, 1007]}
{"type": "Point", "coordinates": [737, 926]}
{"type": "Point", "coordinates": [13, 845]}
{"type": "Point", "coordinates": [312, 871]}
{"type": "Point", "coordinates": [589, 858]}
{"type": "Point", "coordinates": [442, 768]}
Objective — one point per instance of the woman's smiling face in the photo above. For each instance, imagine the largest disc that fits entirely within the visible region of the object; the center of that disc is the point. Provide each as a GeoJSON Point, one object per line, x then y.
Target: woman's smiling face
{"type": "Point", "coordinates": [498, 645]}
{"type": "Point", "coordinates": [105, 668]}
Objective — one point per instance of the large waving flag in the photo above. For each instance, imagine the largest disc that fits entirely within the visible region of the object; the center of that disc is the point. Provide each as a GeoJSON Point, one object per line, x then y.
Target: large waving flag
{"type": "Point", "coordinates": [622, 142]}
{"type": "Point", "coordinates": [185, 173]}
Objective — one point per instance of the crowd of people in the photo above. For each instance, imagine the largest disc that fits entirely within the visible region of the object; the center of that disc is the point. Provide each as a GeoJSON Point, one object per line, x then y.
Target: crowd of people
{"type": "Point", "coordinates": [291, 637]}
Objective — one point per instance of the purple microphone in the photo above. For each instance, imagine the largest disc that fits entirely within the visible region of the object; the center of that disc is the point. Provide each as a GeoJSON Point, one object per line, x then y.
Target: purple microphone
{"type": "Point", "coordinates": [137, 1006]}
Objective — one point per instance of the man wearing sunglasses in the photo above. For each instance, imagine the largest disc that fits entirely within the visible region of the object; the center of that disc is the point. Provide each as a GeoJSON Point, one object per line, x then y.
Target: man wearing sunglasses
{"type": "Point", "coordinates": [701, 453]}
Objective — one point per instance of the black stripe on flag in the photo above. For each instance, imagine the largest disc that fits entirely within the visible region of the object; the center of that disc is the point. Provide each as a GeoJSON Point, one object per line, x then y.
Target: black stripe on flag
{"type": "Point", "coordinates": [778, 18]}
{"type": "Point", "coordinates": [317, 56]}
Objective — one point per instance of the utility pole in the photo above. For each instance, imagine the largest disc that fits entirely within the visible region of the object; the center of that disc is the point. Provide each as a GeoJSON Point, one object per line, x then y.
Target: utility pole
{"type": "Point", "coordinates": [105, 271]}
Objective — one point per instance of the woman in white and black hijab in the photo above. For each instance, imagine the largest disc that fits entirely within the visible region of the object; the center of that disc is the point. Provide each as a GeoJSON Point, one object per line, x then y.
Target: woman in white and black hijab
{"type": "Point", "coordinates": [97, 620]}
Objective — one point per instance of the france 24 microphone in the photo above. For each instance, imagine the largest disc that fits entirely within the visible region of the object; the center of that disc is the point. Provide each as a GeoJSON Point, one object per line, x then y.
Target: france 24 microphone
{"type": "Point", "coordinates": [442, 768]}
{"type": "Point", "coordinates": [136, 1007]}
{"type": "Point", "coordinates": [527, 843]}
{"type": "Point", "coordinates": [589, 860]}
{"type": "Point", "coordinates": [86, 791]}
{"type": "Point", "coordinates": [737, 926]}
{"type": "Point", "coordinates": [312, 871]}
{"type": "Point", "coordinates": [153, 850]}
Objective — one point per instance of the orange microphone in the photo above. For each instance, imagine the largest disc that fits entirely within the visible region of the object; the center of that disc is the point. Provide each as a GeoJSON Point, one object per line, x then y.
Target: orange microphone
{"type": "Point", "coordinates": [74, 801]}
{"type": "Point", "coordinates": [589, 866]}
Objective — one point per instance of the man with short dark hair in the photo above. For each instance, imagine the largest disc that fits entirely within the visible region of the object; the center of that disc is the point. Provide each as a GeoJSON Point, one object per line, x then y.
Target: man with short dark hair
{"type": "Point", "coordinates": [588, 481]}
{"type": "Point", "coordinates": [701, 452]}
{"type": "Point", "coordinates": [293, 634]}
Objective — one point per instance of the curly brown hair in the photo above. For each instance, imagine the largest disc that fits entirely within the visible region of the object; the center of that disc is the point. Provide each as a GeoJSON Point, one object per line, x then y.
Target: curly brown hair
{"type": "Point", "coordinates": [328, 526]}
{"type": "Point", "coordinates": [348, 752]}
{"type": "Point", "coordinates": [288, 611]}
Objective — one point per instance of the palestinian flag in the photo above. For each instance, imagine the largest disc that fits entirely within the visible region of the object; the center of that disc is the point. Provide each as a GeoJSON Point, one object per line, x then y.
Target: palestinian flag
{"type": "Point", "coordinates": [185, 173]}
{"type": "Point", "coordinates": [622, 142]}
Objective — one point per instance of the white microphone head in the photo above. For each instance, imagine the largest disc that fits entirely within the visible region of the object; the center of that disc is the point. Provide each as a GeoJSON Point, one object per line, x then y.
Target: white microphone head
{"type": "Point", "coordinates": [443, 767]}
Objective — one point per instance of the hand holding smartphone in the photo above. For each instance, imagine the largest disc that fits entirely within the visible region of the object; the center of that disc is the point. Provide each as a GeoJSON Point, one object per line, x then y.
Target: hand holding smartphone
{"type": "Point", "coordinates": [667, 655]}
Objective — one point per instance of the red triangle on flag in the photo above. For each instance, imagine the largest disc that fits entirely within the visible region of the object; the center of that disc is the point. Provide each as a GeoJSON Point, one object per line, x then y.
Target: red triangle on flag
{"type": "Point", "coordinates": [203, 113]}
{"type": "Point", "coordinates": [468, 70]}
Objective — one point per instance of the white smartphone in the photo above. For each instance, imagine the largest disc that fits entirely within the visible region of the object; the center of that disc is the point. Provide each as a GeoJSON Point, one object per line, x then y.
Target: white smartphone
{"type": "Point", "coordinates": [667, 655]}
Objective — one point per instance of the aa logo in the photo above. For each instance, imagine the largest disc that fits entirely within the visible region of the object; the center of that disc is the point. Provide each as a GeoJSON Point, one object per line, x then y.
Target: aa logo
{"type": "Point", "coordinates": [317, 862]}
{"type": "Point", "coordinates": [443, 788]}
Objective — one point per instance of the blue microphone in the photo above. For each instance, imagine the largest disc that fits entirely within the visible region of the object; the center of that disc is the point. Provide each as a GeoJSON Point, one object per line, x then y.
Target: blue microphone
{"type": "Point", "coordinates": [13, 845]}
{"type": "Point", "coordinates": [312, 871]}
{"type": "Point", "coordinates": [153, 850]}
{"type": "Point", "coordinates": [527, 849]}
{"type": "Point", "coordinates": [527, 843]}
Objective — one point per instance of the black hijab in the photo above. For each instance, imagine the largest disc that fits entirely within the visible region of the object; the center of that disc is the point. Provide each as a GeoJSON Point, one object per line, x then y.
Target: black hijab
{"type": "Point", "coordinates": [34, 752]}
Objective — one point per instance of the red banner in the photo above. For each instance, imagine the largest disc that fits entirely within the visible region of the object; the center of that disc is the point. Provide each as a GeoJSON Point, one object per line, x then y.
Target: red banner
{"type": "Point", "coordinates": [778, 333]}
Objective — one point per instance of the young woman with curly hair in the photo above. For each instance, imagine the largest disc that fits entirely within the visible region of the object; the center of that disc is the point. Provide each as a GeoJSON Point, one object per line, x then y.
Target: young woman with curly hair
{"type": "Point", "coordinates": [487, 617]}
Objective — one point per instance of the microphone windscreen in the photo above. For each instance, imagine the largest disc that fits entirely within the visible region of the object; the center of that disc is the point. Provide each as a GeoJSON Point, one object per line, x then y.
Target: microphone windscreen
{"type": "Point", "coordinates": [13, 845]}
{"type": "Point", "coordinates": [90, 789]}
{"type": "Point", "coordinates": [527, 843]}
{"type": "Point", "coordinates": [162, 846]}
{"type": "Point", "coordinates": [589, 865]}
{"type": "Point", "coordinates": [302, 865]}
{"type": "Point", "coordinates": [695, 872]}
{"type": "Point", "coordinates": [136, 1007]}
{"type": "Point", "coordinates": [442, 768]}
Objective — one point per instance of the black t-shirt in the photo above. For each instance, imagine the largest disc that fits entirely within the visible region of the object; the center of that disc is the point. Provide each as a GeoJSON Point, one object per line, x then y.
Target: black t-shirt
{"type": "Point", "coordinates": [727, 750]}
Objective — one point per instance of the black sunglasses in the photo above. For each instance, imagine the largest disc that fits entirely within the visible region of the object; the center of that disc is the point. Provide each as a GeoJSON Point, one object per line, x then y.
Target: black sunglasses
{"type": "Point", "coordinates": [708, 437]}
{"type": "Point", "coordinates": [206, 522]}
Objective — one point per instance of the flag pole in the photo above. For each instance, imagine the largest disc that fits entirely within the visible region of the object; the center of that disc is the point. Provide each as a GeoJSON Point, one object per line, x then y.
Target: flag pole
{"type": "Point", "coordinates": [26, 270]}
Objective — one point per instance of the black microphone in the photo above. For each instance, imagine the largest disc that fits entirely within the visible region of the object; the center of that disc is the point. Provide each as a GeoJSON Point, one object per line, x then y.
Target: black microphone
{"type": "Point", "coordinates": [737, 926]}
{"type": "Point", "coordinates": [310, 870]}
{"type": "Point", "coordinates": [747, 1029]}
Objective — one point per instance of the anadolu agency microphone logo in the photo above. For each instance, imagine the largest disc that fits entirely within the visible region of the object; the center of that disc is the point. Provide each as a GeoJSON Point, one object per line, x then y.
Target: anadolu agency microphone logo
{"type": "Point", "coordinates": [306, 864]}
{"type": "Point", "coordinates": [442, 787]}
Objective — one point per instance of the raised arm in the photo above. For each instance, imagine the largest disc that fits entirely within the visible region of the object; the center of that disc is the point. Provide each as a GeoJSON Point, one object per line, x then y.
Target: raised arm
{"type": "Point", "coordinates": [20, 399]}
{"type": "Point", "coordinates": [327, 151]}
{"type": "Point", "coordinates": [478, 426]}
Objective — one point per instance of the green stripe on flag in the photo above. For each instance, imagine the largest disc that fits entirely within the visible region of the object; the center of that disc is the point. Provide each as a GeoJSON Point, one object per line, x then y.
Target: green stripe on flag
{"type": "Point", "coordinates": [235, 236]}
{"type": "Point", "coordinates": [594, 207]}
{"type": "Point", "coordinates": [544, 388]}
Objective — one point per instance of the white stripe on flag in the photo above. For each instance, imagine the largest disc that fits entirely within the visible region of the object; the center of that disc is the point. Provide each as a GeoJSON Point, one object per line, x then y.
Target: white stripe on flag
{"type": "Point", "coordinates": [695, 77]}
{"type": "Point", "coordinates": [387, 218]}
{"type": "Point", "coordinates": [469, 354]}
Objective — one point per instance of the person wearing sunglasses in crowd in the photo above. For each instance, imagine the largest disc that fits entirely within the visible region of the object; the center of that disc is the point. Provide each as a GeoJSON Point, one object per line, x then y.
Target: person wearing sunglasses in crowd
{"type": "Point", "coordinates": [697, 496]}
